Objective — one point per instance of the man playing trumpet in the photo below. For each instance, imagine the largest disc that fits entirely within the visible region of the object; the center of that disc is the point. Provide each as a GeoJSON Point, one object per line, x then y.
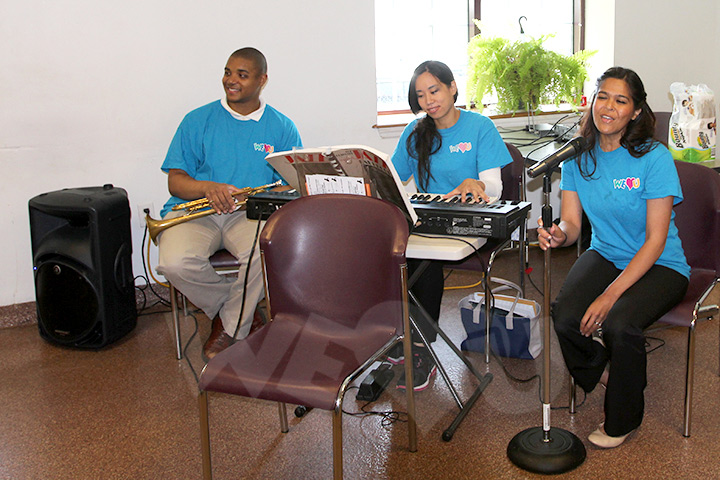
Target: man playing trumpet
{"type": "Point", "coordinates": [217, 149]}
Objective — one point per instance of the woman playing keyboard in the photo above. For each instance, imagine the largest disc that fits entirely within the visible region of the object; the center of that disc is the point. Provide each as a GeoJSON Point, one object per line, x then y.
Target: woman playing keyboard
{"type": "Point", "coordinates": [448, 151]}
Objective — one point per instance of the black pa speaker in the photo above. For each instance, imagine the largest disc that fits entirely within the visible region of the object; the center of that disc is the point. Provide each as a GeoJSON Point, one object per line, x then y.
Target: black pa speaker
{"type": "Point", "coordinates": [81, 245]}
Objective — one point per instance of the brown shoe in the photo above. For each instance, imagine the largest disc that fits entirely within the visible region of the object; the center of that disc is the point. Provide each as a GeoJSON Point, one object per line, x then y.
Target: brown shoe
{"type": "Point", "coordinates": [217, 341]}
{"type": "Point", "coordinates": [259, 318]}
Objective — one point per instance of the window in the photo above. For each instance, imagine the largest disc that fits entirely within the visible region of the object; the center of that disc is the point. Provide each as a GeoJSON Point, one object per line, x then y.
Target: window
{"type": "Point", "coordinates": [408, 32]}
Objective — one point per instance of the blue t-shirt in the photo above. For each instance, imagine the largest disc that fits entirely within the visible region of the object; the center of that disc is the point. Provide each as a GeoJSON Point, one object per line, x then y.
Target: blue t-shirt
{"type": "Point", "coordinates": [469, 147]}
{"type": "Point", "coordinates": [210, 144]}
{"type": "Point", "coordinates": [615, 201]}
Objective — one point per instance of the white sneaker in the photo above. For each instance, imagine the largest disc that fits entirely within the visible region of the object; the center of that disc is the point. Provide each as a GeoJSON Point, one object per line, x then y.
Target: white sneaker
{"type": "Point", "coordinates": [601, 439]}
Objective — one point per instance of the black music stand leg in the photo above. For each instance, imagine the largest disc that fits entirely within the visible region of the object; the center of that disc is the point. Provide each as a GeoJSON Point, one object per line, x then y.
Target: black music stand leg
{"type": "Point", "coordinates": [484, 379]}
{"type": "Point", "coordinates": [448, 434]}
{"type": "Point", "coordinates": [544, 449]}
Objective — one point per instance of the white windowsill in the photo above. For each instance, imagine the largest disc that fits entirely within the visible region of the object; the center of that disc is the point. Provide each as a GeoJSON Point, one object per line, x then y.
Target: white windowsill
{"type": "Point", "coordinates": [391, 126]}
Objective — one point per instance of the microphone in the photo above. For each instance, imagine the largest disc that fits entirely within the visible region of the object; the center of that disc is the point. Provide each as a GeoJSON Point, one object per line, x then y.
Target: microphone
{"type": "Point", "coordinates": [569, 150]}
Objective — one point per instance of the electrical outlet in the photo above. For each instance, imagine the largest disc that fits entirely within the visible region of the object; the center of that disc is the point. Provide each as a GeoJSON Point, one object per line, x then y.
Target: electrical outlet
{"type": "Point", "coordinates": [141, 213]}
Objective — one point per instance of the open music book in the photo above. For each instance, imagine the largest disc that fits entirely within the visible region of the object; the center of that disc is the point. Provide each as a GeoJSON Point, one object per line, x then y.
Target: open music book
{"type": "Point", "coordinates": [343, 169]}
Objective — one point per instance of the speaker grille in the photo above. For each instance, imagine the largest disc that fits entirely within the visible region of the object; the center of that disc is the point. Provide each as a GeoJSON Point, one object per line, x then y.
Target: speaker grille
{"type": "Point", "coordinates": [67, 301]}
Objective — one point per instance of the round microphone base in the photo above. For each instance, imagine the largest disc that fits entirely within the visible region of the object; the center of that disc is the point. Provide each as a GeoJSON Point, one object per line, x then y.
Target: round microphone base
{"type": "Point", "coordinates": [561, 452]}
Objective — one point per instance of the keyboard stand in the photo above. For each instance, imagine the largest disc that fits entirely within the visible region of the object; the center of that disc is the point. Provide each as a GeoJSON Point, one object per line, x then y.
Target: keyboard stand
{"type": "Point", "coordinates": [484, 379]}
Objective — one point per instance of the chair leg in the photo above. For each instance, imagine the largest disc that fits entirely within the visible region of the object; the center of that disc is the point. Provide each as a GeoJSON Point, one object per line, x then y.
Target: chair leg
{"type": "Point", "coordinates": [282, 411]}
{"type": "Point", "coordinates": [412, 426]}
{"type": "Point", "coordinates": [176, 321]}
{"type": "Point", "coordinates": [522, 256]}
{"type": "Point", "coordinates": [205, 435]}
{"type": "Point", "coordinates": [689, 378]}
{"type": "Point", "coordinates": [407, 352]}
{"type": "Point", "coordinates": [573, 391]}
{"type": "Point", "coordinates": [488, 314]}
{"type": "Point", "coordinates": [337, 443]}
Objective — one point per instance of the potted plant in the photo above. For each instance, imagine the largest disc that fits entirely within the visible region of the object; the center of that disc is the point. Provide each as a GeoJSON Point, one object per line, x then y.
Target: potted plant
{"type": "Point", "coordinates": [523, 73]}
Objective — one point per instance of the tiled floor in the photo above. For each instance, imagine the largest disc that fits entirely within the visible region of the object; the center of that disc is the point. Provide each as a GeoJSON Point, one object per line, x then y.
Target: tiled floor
{"type": "Point", "coordinates": [129, 412]}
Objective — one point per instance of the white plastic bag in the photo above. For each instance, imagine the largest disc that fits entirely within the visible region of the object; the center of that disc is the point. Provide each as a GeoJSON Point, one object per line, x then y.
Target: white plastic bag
{"type": "Point", "coordinates": [692, 131]}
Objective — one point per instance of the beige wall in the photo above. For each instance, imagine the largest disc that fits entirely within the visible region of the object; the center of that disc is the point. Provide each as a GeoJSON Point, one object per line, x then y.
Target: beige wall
{"type": "Point", "coordinates": [668, 42]}
{"type": "Point", "coordinates": [92, 92]}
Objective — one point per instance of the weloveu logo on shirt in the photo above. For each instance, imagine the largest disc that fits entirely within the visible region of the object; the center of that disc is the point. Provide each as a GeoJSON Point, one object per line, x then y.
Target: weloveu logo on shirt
{"type": "Point", "coordinates": [264, 147]}
{"type": "Point", "coordinates": [461, 147]}
{"type": "Point", "coordinates": [626, 183]}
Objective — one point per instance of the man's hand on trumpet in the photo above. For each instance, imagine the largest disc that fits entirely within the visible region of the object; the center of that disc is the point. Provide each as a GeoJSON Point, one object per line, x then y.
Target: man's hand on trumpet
{"type": "Point", "coordinates": [220, 197]}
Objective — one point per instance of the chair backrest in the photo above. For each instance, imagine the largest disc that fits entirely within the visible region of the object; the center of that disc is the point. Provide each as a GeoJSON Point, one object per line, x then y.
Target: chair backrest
{"type": "Point", "coordinates": [662, 125]}
{"type": "Point", "coordinates": [333, 259]}
{"type": "Point", "coordinates": [698, 216]}
{"type": "Point", "coordinates": [513, 175]}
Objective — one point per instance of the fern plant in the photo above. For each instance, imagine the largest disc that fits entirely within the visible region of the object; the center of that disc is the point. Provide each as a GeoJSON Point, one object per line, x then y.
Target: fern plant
{"type": "Point", "coordinates": [523, 74]}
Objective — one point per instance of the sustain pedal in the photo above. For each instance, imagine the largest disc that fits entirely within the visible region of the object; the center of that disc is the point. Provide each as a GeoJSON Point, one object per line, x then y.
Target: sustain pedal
{"type": "Point", "coordinates": [375, 382]}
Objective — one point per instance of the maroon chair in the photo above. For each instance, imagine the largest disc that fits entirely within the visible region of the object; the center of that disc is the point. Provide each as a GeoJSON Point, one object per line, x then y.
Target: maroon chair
{"type": "Point", "coordinates": [336, 290]}
{"type": "Point", "coordinates": [513, 178]}
{"type": "Point", "coordinates": [698, 221]}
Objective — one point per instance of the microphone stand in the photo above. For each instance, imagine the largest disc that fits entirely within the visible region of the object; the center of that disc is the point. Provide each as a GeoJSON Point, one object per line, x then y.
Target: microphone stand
{"type": "Point", "coordinates": [544, 449]}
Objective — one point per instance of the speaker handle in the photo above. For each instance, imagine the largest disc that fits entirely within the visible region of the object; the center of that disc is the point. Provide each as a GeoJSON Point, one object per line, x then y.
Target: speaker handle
{"type": "Point", "coordinates": [119, 270]}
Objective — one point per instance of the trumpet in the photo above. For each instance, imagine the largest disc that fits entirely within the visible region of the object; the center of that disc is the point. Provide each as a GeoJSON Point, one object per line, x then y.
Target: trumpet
{"type": "Point", "coordinates": [201, 207]}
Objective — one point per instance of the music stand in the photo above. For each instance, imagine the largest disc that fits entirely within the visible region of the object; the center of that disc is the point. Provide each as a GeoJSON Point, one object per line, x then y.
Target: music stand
{"type": "Point", "coordinates": [322, 169]}
{"type": "Point", "coordinates": [544, 449]}
{"type": "Point", "coordinates": [354, 169]}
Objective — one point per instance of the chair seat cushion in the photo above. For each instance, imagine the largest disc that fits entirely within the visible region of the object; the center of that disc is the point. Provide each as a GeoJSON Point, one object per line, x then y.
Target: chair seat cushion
{"type": "Point", "coordinates": [286, 361]}
{"type": "Point", "coordinates": [681, 314]}
{"type": "Point", "coordinates": [222, 259]}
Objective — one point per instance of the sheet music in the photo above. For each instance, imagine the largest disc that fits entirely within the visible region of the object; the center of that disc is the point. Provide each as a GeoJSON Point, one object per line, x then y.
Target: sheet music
{"type": "Point", "coordinates": [318, 184]}
{"type": "Point", "coordinates": [301, 167]}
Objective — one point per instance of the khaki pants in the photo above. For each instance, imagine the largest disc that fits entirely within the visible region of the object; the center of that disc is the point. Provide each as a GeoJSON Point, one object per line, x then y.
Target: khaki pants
{"type": "Point", "coordinates": [184, 250]}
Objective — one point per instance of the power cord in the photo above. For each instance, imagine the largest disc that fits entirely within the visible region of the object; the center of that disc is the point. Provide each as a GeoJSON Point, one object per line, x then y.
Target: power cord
{"type": "Point", "coordinates": [475, 251]}
{"type": "Point", "coordinates": [145, 269]}
{"type": "Point", "coordinates": [387, 417]}
{"type": "Point", "coordinates": [247, 274]}
{"type": "Point", "coordinates": [528, 272]}
{"type": "Point", "coordinates": [187, 344]}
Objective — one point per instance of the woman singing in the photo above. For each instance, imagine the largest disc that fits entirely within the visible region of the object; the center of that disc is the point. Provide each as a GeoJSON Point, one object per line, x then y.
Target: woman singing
{"type": "Point", "coordinates": [635, 269]}
{"type": "Point", "coordinates": [448, 151]}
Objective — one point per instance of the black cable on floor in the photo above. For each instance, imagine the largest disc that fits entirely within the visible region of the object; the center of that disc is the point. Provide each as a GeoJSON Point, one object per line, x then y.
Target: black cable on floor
{"type": "Point", "coordinates": [388, 417]}
{"type": "Point", "coordinates": [577, 405]}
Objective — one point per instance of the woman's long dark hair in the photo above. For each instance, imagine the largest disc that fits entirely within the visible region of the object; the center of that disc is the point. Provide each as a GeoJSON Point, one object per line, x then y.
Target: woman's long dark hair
{"type": "Point", "coordinates": [638, 135]}
{"type": "Point", "coordinates": [425, 139]}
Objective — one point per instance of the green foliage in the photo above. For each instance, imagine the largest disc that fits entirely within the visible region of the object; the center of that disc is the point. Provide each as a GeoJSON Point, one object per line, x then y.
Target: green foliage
{"type": "Point", "coordinates": [522, 73]}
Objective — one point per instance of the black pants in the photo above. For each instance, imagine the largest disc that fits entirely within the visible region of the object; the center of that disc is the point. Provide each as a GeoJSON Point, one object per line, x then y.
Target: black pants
{"type": "Point", "coordinates": [428, 289]}
{"type": "Point", "coordinates": [642, 304]}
